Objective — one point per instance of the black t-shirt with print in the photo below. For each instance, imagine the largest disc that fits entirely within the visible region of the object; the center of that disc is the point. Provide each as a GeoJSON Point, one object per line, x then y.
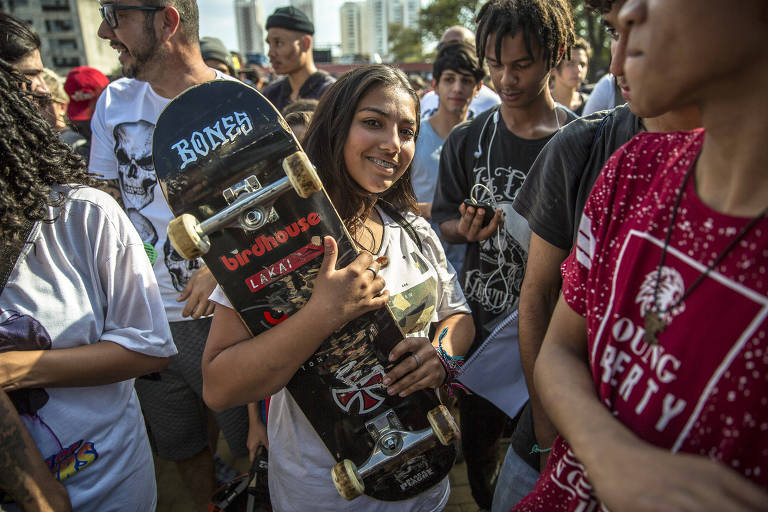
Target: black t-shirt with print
{"type": "Point", "coordinates": [560, 180]}
{"type": "Point", "coordinates": [494, 268]}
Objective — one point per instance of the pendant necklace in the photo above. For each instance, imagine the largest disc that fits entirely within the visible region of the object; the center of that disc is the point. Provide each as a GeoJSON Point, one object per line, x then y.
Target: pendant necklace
{"type": "Point", "coordinates": [654, 320]}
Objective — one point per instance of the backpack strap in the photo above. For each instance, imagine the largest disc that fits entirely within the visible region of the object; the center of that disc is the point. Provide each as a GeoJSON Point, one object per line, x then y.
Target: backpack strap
{"type": "Point", "coordinates": [400, 220]}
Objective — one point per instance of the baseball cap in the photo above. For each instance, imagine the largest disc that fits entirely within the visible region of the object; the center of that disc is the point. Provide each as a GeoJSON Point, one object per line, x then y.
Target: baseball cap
{"type": "Point", "coordinates": [290, 18]}
{"type": "Point", "coordinates": [83, 85]}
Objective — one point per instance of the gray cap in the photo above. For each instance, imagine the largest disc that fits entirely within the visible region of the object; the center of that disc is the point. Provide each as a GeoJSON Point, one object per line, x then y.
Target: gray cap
{"type": "Point", "coordinates": [213, 48]}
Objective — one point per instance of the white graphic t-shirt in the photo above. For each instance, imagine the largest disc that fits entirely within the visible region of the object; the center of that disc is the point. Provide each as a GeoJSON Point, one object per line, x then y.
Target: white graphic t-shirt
{"type": "Point", "coordinates": [85, 279]}
{"type": "Point", "coordinates": [121, 149]}
{"type": "Point", "coordinates": [423, 289]}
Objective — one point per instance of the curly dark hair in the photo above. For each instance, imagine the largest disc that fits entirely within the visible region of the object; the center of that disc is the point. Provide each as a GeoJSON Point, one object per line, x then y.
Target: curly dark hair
{"type": "Point", "coordinates": [549, 21]}
{"type": "Point", "coordinates": [327, 134]}
{"type": "Point", "coordinates": [601, 6]}
{"type": "Point", "coordinates": [33, 159]}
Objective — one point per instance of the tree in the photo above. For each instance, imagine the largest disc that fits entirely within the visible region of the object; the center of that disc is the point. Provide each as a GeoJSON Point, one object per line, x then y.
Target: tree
{"type": "Point", "coordinates": [405, 44]}
{"type": "Point", "coordinates": [589, 26]}
{"type": "Point", "coordinates": [440, 15]}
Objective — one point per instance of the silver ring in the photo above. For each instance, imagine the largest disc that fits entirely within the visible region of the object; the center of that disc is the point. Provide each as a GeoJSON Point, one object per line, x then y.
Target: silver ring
{"type": "Point", "coordinates": [416, 358]}
{"type": "Point", "coordinates": [375, 273]}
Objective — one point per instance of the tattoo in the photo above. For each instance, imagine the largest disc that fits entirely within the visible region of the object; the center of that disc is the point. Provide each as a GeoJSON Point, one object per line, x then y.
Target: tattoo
{"type": "Point", "coordinates": [112, 187]}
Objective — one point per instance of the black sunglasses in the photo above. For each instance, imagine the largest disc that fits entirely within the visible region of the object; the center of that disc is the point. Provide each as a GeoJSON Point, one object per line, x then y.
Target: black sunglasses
{"type": "Point", "coordinates": [109, 11]}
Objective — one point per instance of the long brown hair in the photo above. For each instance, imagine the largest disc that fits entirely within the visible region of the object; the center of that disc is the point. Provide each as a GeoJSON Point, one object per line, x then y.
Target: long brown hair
{"type": "Point", "coordinates": [327, 134]}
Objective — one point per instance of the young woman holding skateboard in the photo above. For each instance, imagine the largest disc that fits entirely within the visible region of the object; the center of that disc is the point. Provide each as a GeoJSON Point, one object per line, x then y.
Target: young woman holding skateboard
{"type": "Point", "coordinates": [362, 140]}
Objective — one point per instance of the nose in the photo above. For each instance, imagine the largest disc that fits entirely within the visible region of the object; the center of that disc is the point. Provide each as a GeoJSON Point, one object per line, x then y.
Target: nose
{"type": "Point", "coordinates": [104, 30]}
{"type": "Point", "coordinates": [391, 141]}
{"type": "Point", "coordinates": [508, 78]}
{"type": "Point", "coordinates": [619, 51]}
{"type": "Point", "coordinates": [39, 85]}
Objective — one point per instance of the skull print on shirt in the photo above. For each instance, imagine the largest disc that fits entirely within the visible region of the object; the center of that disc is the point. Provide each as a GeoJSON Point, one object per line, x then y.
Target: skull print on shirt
{"type": "Point", "coordinates": [135, 169]}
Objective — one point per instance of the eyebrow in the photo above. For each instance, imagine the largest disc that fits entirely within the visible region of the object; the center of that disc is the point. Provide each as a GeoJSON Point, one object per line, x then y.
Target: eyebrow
{"type": "Point", "coordinates": [523, 59]}
{"type": "Point", "coordinates": [384, 114]}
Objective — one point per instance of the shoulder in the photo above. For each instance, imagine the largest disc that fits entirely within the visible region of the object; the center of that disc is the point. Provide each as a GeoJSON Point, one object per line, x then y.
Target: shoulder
{"type": "Point", "coordinates": [124, 88]}
{"type": "Point", "coordinates": [274, 86]}
{"type": "Point", "coordinates": [487, 95]}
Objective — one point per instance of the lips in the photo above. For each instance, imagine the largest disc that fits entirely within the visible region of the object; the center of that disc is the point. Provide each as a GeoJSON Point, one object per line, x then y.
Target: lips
{"type": "Point", "coordinates": [383, 164]}
{"type": "Point", "coordinates": [510, 95]}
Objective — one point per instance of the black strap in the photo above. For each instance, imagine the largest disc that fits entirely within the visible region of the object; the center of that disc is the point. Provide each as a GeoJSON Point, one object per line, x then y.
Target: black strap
{"type": "Point", "coordinates": [11, 252]}
{"type": "Point", "coordinates": [400, 220]}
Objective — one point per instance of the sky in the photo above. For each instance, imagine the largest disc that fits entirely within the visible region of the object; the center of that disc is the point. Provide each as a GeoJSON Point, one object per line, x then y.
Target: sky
{"type": "Point", "coordinates": [217, 19]}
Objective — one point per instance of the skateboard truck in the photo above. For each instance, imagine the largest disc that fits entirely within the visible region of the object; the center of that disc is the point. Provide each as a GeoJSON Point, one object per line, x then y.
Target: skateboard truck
{"type": "Point", "coordinates": [390, 441]}
{"type": "Point", "coordinates": [244, 202]}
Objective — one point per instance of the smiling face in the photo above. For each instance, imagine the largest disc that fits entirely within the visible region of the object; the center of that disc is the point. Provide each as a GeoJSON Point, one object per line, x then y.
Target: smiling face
{"type": "Point", "coordinates": [135, 40]}
{"type": "Point", "coordinates": [683, 52]}
{"type": "Point", "coordinates": [381, 140]}
{"type": "Point", "coordinates": [519, 78]}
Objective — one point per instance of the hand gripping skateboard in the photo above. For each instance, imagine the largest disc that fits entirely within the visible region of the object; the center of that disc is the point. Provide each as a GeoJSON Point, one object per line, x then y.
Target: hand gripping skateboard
{"type": "Point", "coordinates": [247, 199]}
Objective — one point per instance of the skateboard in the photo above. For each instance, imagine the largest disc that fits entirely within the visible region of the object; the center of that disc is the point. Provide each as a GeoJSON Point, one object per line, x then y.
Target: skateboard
{"type": "Point", "coordinates": [247, 200]}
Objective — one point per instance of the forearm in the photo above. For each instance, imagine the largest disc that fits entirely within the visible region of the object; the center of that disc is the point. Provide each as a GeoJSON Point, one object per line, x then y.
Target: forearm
{"type": "Point", "coordinates": [23, 474]}
{"type": "Point", "coordinates": [459, 335]}
{"type": "Point", "coordinates": [535, 310]}
{"type": "Point", "coordinates": [449, 230]}
{"type": "Point", "coordinates": [256, 367]}
{"type": "Point", "coordinates": [567, 392]}
{"type": "Point", "coordinates": [96, 364]}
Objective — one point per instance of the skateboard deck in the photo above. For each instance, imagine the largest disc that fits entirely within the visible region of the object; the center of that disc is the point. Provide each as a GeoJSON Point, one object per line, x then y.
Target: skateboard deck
{"type": "Point", "coordinates": [230, 169]}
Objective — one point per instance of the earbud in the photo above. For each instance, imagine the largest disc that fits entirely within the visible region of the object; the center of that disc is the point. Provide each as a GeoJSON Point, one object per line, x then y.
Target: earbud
{"type": "Point", "coordinates": [478, 154]}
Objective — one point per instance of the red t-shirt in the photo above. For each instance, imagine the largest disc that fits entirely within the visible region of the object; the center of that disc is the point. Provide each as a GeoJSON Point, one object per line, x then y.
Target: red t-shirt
{"type": "Point", "coordinates": [703, 389]}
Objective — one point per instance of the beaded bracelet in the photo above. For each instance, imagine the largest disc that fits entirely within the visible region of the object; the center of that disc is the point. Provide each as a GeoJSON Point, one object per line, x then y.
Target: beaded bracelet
{"type": "Point", "coordinates": [451, 365]}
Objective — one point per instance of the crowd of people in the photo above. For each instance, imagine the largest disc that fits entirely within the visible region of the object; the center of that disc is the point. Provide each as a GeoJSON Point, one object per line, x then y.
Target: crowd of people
{"type": "Point", "coordinates": [613, 241]}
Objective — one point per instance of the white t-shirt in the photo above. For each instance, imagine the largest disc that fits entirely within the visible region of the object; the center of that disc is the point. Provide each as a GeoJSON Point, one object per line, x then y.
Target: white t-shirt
{"type": "Point", "coordinates": [84, 279]}
{"type": "Point", "coordinates": [121, 149]}
{"type": "Point", "coordinates": [299, 463]}
{"type": "Point", "coordinates": [485, 99]}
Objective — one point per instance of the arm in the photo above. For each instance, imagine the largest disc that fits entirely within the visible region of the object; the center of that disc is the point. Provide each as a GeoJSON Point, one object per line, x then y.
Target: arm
{"type": "Point", "coordinates": [627, 474]}
{"type": "Point", "coordinates": [538, 296]}
{"type": "Point", "coordinates": [257, 431]}
{"type": "Point", "coordinates": [239, 368]}
{"type": "Point", "coordinates": [23, 474]}
{"type": "Point", "coordinates": [96, 364]}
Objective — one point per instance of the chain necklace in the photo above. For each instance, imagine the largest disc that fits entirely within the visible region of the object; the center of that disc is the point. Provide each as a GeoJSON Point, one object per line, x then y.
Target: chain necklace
{"type": "Point", "coordinates": [653, 320]}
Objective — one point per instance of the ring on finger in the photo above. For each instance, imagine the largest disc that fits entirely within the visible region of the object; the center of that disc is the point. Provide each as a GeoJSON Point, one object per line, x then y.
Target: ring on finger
{"type": "Point", "coordinates": [416, 358]}
{"type": "Point", "coordinates": [374, 271]}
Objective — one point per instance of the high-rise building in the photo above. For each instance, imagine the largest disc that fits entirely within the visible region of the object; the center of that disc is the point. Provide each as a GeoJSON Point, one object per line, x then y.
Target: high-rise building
{"type": "Point", "coordinates": [67, 30]}
{"type": "Point", "coordinates": [305, 6]}
{"type": "Point", "coordinates": [375, 19]}
{"type": "Point", "coordinates": [249, 18]}
{"type": "Point", "coordinates": [352, 28]}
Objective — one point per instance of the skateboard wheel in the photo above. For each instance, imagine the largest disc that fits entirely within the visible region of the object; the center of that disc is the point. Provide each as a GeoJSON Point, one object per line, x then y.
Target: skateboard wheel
{"type": "Point", "coordinates": [184, 235]}
{"type": "Point", "coordinates": [302, 175]}
{"type": "Point", "coordinates": [346, 479]}
{"type": "Point", "coordinates": [443, 425]}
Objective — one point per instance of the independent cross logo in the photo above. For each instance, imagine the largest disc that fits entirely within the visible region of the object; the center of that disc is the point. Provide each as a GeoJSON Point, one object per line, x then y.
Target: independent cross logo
{"type": "Point", "coordinates": [671, 288]}
{"type": "Point", "coordinates": [363, 392]}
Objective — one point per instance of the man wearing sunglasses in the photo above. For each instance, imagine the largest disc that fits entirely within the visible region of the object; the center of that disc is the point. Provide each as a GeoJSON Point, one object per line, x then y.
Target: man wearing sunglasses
{"type": "Point", "coordinates": [158, 46]}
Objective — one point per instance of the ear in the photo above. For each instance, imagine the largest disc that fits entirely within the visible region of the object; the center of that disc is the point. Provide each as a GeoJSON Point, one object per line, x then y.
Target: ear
{"type": "Point", "coordinates": [433, 85]}
{"type": "Point", "coordinates": [305, 42]}
{"type": "Point", "coordinates": [170, 22]}
{"type": "Point", "coordinates": [560, 54]}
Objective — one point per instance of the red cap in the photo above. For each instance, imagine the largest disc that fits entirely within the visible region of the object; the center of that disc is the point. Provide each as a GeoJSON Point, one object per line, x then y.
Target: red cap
{"type": "Point", "coordinates": [83, 85]}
